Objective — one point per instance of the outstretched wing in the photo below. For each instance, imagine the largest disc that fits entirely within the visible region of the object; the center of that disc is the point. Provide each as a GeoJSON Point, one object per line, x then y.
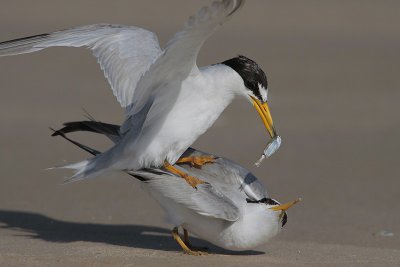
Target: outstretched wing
{"type": "Point", "coordinates": [178, 60]}
{"type": "Point", "coordinates": [126, 54]}
{"type": "Point", "coordinates": [123, 52]}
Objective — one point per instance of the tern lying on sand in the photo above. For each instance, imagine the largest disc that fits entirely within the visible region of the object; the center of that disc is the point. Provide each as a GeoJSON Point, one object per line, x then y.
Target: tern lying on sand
{"type": "Point", "coordinates": [231, 209]}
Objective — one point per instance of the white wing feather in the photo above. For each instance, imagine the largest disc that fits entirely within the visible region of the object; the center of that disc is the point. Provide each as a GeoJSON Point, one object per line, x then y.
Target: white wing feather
{"type": "Point", "coordinates": [178, 60]}
{"type": "Point", "coordinates": [145, 79]}
{"type": "Point", "coordinates": [158, 89]}
{"type": "Point", "coordinates": [123, 52]}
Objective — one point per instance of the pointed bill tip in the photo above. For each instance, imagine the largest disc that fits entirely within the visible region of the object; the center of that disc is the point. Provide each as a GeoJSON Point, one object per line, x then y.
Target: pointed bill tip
{"type": "Point", "coordinates": [286, 206]}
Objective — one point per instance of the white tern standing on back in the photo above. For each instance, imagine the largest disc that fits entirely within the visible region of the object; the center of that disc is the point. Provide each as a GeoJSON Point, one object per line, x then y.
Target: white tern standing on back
{"type": "Point", "coordinates": [169, 101]}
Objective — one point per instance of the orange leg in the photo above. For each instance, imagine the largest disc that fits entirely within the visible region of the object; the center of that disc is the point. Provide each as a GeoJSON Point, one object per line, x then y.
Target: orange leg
{"type": "Point", "coordinates": [185, 248]}
{"type": "Point", "coordinates": [196, 161]}
{"type": "Point", "coordinates": [192, 181]}
{"type": "Point", "coordinates": [193, 248]}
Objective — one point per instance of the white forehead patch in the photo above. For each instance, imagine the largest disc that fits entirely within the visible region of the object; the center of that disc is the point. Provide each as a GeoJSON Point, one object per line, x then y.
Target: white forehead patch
{"type": "Point", "coordinates": [263, 92]}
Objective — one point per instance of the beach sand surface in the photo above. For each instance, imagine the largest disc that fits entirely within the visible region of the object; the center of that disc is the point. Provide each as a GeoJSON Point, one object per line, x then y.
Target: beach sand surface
{"type": "Point", "coordinates": [333, 72]}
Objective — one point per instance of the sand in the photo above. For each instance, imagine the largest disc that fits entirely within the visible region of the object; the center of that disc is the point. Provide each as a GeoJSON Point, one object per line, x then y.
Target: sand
{"type": "Point", "coordinates": [333, 75]}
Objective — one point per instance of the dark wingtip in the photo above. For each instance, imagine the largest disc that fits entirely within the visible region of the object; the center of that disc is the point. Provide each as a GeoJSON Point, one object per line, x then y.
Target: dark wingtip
{"type": "Point", "coordinates": [86, 148]}
{"type": "Point", "coordinates": [33, 37]}
{"type": "Point", "coordinates": [55, 132]}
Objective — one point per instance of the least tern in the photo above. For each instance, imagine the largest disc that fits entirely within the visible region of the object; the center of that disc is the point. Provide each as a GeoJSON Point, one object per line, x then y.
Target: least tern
{"type": "Point", "coordinates": [231, 209]}
{"type": "Point", "coordinates": [169, 102]}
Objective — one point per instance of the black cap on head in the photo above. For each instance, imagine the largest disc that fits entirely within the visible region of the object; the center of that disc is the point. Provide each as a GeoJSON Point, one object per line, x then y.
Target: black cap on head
{"type": "Point", "coordinates": [250, 72]}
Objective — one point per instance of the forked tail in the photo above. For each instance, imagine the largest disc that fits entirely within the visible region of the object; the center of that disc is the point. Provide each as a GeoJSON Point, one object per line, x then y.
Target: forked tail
{"type": "Point", "coordinates": [109, 130]}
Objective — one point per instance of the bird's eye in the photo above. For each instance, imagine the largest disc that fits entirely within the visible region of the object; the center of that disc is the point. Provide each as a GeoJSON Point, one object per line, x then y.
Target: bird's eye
{"type": "Point", "coordinates": [270, 201]}
{"type": "Point", "coordinates": [263, 93]}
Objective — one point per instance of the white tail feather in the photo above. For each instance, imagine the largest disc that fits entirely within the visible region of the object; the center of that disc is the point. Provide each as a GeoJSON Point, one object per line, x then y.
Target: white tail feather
{"type": "Point", "coordinates": [83, 170]}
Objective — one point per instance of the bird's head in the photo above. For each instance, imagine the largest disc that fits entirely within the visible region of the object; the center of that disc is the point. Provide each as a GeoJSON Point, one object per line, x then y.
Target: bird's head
{"type": "Point", "coordinates": [255, 87]}
{"type": "Point", "coordinates": [276, 208]}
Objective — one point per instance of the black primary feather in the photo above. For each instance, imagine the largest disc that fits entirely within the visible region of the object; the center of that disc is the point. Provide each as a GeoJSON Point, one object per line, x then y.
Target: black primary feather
{"type": "Point", "coordinates": [89, 126]}
{"type": "Point", "coordinates": [90, 150]}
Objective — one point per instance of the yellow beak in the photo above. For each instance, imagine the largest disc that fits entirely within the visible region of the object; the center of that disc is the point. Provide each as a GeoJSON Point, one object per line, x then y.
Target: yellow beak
{"type": "Point", "coordinates": [285, 206]}
{"type": "Point", "coordinates": [265, 114]}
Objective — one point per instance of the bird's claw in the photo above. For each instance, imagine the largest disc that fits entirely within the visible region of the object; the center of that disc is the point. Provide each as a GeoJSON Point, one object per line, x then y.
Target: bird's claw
{"type": "Point", "coordinates": [193, 181]}
{"type": "Point", "coordinates": [195, 252]}
{"type": "Point", "coordinates": [197, 161]}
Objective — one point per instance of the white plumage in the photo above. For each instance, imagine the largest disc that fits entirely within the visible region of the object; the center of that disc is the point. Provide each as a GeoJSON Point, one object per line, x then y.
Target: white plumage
{"type": "Point", "coordinates": [169, 101]}
{"type": "Point", "coordinates": [217, 211]}
{"type": "Point", "coordinates": [231, 210]}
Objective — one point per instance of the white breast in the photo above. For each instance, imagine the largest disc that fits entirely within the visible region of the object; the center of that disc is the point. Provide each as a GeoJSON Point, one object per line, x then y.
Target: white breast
{"type": "Point", "coordinates": [200, 102]}
{"type": "Point", "coordinates": [169, 129]}
{"type": "Point", "coordinates": [256, 226]}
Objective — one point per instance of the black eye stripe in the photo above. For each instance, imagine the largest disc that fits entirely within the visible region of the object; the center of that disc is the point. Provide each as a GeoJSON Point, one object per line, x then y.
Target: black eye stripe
{"type": "Point", "coordinates": [254, 201]}
{"type": "Point", "coordinates": [255, 89]}
{"type": "Point", "coordinates": [264, 200]}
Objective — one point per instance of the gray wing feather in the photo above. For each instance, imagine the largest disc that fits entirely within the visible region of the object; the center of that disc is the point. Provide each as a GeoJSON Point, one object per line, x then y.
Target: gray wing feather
{"type": "Point", "coordinates": [228, 176]}
{"type": "Point", "coordinates": [124, 53]}
{"type": "Point", "coordinates": [206, 200]}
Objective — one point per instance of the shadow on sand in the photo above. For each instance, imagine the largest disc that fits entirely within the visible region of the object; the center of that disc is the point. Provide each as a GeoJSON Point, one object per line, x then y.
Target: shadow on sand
{"type": "Point", "coordinates": [138, 236]}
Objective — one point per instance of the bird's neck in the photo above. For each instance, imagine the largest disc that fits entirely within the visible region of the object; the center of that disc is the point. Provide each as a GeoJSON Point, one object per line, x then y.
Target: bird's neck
{"type": "Point", "coordinates": [226, 82]}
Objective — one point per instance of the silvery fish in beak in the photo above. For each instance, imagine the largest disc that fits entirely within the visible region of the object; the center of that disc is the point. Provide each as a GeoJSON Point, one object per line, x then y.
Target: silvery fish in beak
{"type": "Point", "coordinates": [231, 209]}
{"type": "Point", "coordinates": [169, 101]}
